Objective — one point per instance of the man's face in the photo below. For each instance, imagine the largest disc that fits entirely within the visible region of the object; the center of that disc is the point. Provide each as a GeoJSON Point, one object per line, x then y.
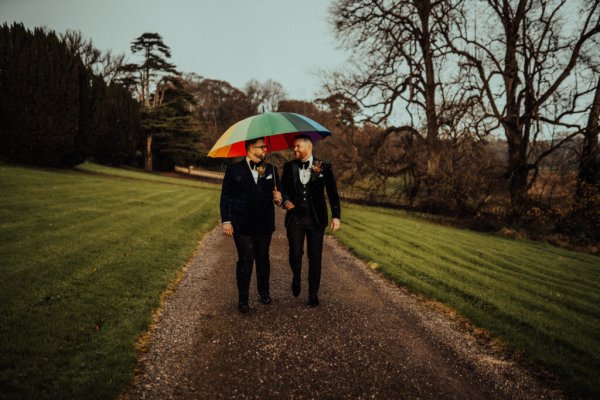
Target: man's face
{"type": "Point", "coordinates": [302, 149]}
{"type": "Point", "coordinates": [258, 149]}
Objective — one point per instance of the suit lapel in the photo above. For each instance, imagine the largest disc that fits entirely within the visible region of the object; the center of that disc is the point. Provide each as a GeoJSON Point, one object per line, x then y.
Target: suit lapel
{"type": "Point", "coordinates": [248, 174]}
{"type": "Point", "coordinates": [313, 176]}
{"type": "Point", "coordinates": [295, 174]}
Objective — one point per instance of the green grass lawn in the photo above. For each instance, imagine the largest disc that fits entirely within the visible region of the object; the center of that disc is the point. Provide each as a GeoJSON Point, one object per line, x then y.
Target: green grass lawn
{"type": "Point", "coordinates": [83, 260]}
{"type": "Point", "coordinates": [146, 176]}
{"type": "Point", "coordinates": [533, 296]}
{"type": "Point", "coordinates": [85, 254]}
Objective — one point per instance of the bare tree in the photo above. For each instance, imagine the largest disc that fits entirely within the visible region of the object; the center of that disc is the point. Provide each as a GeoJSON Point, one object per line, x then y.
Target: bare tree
{"type": "Point", "coordinates": [111, 66]}
{"type": "Point", "coordinates": [265, 96]}
{"type": "Point", "coordinates": [522, 65]}
{"type": "Point", "coordinates": [82, 47]}
{"type": "Point", "coordinates": [589, 162]}
{"type": "Point", "coordinates": [102, 64]}
{"type": "Point", "coordinates": [590, 158]}
{"type": "Point", "coordinates": [217, 106]}
{"type": "Point", "coordinates": [402, 66]}
{"type": "Point", "coordinates": [398, 57]}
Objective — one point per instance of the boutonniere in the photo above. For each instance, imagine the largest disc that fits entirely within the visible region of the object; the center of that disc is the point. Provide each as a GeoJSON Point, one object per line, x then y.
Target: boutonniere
{"type": "Point", "coordinates": [316, 167]}
{"type": "Point", "coordinates": [261, 170]}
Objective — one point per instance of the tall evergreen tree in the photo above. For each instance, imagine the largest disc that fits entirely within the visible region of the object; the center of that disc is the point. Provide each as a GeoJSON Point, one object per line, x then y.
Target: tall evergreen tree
{"type": "Point", "coordinates": [172, 127]}
{"type": "Point", "coordinates": [54, 110]}
{"type": "Point", "coordinates": [39, 106]}
{"type": "Point", "coordinates": [122, 139]}
{"type": "Point", "coordinates": [149, 80]}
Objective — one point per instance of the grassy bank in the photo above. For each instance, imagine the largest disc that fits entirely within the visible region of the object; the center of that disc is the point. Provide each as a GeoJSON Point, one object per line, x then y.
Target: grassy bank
{"type": "Point", "coordinates": [535, 297]}
{"type": "Point", "coordinates": [84, 258]}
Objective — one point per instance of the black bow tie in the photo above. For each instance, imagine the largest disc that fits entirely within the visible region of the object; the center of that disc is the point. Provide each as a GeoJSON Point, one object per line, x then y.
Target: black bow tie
{"type": "Point", "coordinates": [303, 164]}
{"type": "Point", "coordinates": [253, 164]}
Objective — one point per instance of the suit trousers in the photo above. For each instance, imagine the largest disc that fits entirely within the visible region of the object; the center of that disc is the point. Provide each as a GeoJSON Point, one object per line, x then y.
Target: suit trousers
{"type": "Point", "coordinates": [303, 225]}
{"type": "Point", "coordinates": [251, 248]}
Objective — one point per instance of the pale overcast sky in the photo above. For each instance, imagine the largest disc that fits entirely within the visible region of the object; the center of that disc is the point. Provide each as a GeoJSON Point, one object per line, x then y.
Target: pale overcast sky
{"type": "Point", "coordinates": [231, 40]}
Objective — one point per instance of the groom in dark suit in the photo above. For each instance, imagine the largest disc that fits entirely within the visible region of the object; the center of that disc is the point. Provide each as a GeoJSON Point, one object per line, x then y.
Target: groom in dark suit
{"type": "Point", "coordinates": [304, 182]}
{"type": "Point", "coordinates": [247, 213]}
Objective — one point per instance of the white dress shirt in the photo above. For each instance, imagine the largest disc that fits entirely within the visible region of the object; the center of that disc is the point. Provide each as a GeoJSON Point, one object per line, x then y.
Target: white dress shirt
{"type": "Point", "coordinates": [305, 173]}
{"type": "Point", "coordinates": [254, 171]}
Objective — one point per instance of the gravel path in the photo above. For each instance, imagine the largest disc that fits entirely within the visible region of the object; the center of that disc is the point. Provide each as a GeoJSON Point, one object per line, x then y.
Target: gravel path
{"type": "Point", "coordinates": [367, 339]}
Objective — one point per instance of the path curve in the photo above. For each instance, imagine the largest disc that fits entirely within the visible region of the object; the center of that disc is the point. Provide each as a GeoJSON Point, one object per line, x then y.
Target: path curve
{"type": "Point", "coordinates": [367, 339]}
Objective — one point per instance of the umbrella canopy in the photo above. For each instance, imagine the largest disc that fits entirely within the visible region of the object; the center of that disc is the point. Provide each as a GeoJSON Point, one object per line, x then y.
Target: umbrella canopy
{"type": "Point", "coordinates": [278, 129]}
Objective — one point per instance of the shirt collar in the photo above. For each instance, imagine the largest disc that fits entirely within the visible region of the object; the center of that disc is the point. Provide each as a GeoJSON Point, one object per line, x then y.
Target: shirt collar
{"type": "Point", "coordinates": [248, 163]}
{"type": "Point", "coordinates": [310, 161]}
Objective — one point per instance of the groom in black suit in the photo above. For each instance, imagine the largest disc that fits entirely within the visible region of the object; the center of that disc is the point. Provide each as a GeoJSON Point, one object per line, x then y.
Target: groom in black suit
{"type": "Point", "coordinates": [247, 212]}
{"type": "Point", "coordinates": [304, 182]}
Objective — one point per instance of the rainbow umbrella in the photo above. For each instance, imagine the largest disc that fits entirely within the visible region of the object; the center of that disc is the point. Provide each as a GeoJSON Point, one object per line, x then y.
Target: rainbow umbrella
{"type": "Point", "coordinates": [278, 129]}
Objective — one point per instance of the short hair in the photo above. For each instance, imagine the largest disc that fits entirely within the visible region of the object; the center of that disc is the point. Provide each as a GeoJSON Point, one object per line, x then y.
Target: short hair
{"type": "Point", "coordinates": [251, 142]}
{"type": "Point", "coordinates": [303, 136]}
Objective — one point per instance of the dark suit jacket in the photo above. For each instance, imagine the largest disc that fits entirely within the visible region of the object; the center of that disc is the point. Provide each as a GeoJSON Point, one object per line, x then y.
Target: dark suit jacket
{"type": "Point", "coordinates": [248, 205]}
{"type": "Point", "coordinates": [291, 189]}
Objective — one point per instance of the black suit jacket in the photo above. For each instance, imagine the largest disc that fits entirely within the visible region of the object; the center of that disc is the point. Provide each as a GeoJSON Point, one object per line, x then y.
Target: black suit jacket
{"type": "Point", "coordinates": [291, 189]}
{"type": "Point", "coordinates": [248, 205]}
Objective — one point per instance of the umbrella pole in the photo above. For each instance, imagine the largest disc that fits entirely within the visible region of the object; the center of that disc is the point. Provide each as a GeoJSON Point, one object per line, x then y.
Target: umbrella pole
{"type": "Point", "coordinates": [271, 155]}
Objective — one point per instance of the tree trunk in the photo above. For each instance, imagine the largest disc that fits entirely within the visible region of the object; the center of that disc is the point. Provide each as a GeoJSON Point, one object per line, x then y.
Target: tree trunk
{"type": "Point", "coordinates": [148, 152]}
{"type": "Point", "coordinates": [590, 154]}
{"type": "Point", "coordinates": [518, 142]}
{"type": "Point", "coordinates": [424, 8]}
{"type": "Point", "coordinates": [518, 182]}
{"type": "Point", "coordinates": [433, 157]}
{"type": "Point", "coordinates": [147, 96]}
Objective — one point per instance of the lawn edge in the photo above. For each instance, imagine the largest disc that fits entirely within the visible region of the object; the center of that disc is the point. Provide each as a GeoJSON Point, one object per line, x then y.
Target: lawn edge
{"type": "Point", "coordinates": [482, 336]}
{"type": "Point", "coordinates": [144, 340]}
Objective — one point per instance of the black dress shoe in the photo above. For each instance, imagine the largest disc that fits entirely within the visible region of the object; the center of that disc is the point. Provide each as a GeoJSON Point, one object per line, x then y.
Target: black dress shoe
{"type": "Point", "coordinates": [296, 287]}
{"type": "Point", "coordinates": [313, 300]}
{"type": "Point", "coordinates": [266, 299]}
{"type": "Point", "coordinates": [243, 308]}
{"type": "Point", "coordinates": [295, 290]}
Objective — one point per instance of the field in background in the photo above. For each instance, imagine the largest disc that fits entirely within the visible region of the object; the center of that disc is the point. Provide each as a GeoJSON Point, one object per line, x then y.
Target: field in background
{"type": "Point", "coordinates": [84, 259]}
{"type": "Point", "coordinates": [145, 176]}
{"type": "Point", "coordinates": [535, 297]}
